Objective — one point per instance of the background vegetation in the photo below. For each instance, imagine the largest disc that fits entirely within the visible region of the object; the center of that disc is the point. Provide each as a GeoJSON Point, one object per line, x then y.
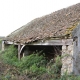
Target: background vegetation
{"type": "Point", "coordinates": [34, 66]}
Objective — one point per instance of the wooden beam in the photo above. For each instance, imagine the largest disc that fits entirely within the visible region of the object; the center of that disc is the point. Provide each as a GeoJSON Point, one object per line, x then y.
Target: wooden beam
{"type": "Point", "coordinates": [19, 46]}
{"type": "Point", "coordinates": [3, 45]}
{"type": "Point", "coordinates": [22, 48]}
{"type": "Point", "coordinates": [54, 42]}
{"type": "Point", "coordinates": [46, 42]}
{"type": "Point", "coordinates": [10, 42]}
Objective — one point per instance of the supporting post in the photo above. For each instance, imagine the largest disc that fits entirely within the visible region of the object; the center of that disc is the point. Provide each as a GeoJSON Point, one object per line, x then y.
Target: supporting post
{"type": "Point", "coordinates": [19, 51]}
{"type": "Point", "coordinates": [3, 45]}
{"type": "Point", "coordinates": [23, 54]}
{"type": "Point", "coordinates": [67, 60]}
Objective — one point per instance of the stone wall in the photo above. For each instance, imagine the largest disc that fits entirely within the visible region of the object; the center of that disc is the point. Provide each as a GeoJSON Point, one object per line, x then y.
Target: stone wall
{"type": "Point", "coordinates": [76, 61]}
{"type": "Point", "coordinates": [76, 52]}
{"type": "Point", "coordinates": [67, 60]}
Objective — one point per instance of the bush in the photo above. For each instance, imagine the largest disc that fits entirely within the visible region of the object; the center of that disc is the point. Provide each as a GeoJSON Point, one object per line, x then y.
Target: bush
{"type": "Point", "coordinates": [10, 55]}
{"type": "Point", "coordinates": [37, 70]}
{"type": "Point", "coordinates": [54, 67]}
{"type": "Point", "coordinates": [35, 65]}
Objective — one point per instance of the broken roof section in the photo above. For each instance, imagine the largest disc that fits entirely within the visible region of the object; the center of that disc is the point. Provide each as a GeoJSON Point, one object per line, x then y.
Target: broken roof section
{"type": "Point", "coordinates": [54, 25]}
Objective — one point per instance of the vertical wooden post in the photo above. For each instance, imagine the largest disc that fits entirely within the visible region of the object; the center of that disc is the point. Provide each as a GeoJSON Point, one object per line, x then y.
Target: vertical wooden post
{"type": "Point", "coordinates": [23, 54]}
{"type": "Point", "coordinates": [3, 45]}
{"type": "Point", "coordinates": [19, 51]}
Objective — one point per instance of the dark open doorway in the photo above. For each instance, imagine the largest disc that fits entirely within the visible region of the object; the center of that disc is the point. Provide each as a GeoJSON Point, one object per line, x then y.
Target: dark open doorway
{"type": "Point", "coordinates": [49, 51]}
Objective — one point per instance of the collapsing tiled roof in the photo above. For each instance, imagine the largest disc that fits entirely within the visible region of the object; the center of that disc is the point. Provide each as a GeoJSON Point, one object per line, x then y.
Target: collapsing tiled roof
{"type": "Point", "coordinates": [56, 24]}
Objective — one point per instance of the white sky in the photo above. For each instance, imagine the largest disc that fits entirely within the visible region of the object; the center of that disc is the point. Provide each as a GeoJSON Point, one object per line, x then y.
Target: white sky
{"type": "Point", "coordinates": [16, 13]}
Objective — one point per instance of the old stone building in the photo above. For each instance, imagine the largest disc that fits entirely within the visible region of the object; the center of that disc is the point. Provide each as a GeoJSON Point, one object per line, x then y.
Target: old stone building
{"type": "Point", "coordinates": [76, 50]}
{"type": "Point", "coordinates": [57, 32]}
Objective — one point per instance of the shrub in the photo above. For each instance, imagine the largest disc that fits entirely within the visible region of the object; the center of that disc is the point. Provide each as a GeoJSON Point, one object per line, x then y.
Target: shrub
{"type": "Point", "coordinates": [34, 62]}
{"type": "Point", "coordinates": [36, 65]}
{"type": "Point", "coordinates": [36, 70]}
{"type": "Point", "coordinates": [10, 55]}
{"type": "Point", "coordinates": [54, 68]}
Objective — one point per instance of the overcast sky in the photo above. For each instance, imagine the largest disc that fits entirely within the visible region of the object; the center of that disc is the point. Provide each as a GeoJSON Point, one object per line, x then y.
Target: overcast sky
{"type": "Point", "coordinates": [16, 13]}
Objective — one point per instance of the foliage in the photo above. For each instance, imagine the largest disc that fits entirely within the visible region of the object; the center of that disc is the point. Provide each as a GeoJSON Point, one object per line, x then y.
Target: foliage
{"type": "Point", "coordinates": [35, 66]}
{"type": "Point", "coordinates": [69, 77]}
{"type": "Point", "coordinates": [10, 55]}
{"type": "Point", "coordinates": [31, 60]}
{"type": "Point", "coordinates": [54, 67]}
{"type": "Point", "coordinates": [33, 63]}
{"type": "Point", "coordinates": [34, 70]}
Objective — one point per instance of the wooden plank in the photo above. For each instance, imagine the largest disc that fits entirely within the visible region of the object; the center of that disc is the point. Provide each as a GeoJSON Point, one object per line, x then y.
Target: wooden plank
{"type": "Point", "coordinates": [54, 42]}
{"type": "Point", "coordinates": [3, 45]}
{"type": "Point", "coordinates": [47, 42]}
{"type": "Point", "coordinates": [15, 43]}
{"type": "Point", "coordinates": [19, 51]}
{"type": "Point", "coordinates": [22, 48]}
{"type": "Point", "coordinates": [10, 42]}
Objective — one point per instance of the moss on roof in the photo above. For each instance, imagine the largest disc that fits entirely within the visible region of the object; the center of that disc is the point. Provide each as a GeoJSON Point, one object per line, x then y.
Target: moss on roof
{"type": "Point", "coordinates": [55, 25]}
